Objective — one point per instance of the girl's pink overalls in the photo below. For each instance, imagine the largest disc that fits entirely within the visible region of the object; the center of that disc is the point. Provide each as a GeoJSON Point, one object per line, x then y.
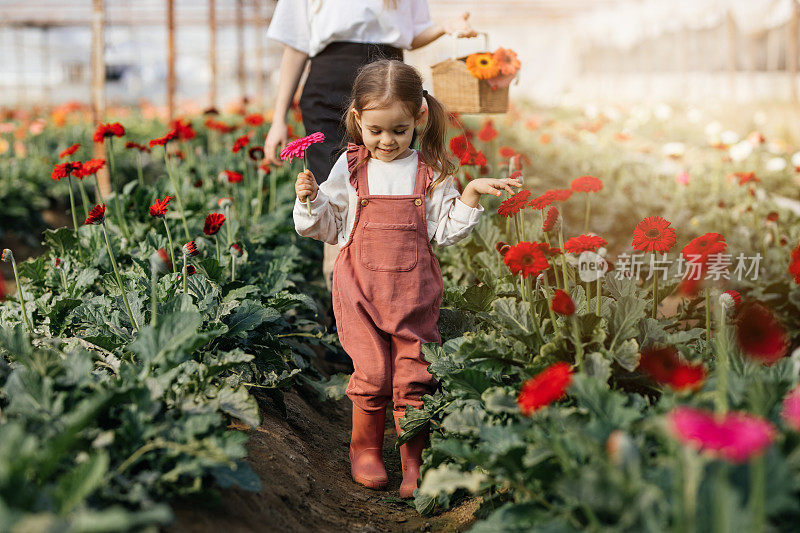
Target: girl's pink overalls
{"type": "Point", "coordinates": [387, 288]}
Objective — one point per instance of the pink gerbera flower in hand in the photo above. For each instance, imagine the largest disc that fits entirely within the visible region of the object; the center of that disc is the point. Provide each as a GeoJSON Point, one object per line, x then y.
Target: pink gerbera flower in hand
{"type": "Point", "coordinates": [297, 148]}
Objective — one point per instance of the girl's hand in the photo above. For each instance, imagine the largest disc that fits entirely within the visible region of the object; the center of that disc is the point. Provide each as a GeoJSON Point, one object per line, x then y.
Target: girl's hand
{"type": "Point", "coordinates": [459, 27]}
{"type": "Point", "coordinates": [494, 186]}
{"type": "Point", "coordinates": [306, 186]}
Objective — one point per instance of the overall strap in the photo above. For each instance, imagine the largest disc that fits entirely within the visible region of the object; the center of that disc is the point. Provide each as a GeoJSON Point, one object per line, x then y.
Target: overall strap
{"type": "Point", "coordinates": [357, 157]}
{"type": "Point", "coordinates": [424, 178]}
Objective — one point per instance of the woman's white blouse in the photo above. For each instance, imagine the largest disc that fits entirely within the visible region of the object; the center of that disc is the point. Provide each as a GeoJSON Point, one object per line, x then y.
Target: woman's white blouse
{"type": "Point", "coordinates": [310, 25]}
{"type": "Point", "coordinates": [333, 210]}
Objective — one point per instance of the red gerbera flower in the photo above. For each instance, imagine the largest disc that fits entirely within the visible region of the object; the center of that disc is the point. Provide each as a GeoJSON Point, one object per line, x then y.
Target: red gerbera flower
{"type": "Point", "coordinates": [69, 151]}
{"type": "Point", "coordinates": [551, 219]}
{"type": "Point", "coordinates": [730, 299]}
{"type": "Point", "coordinates": [586, 184]}
{"type": "Point", "coordinates": [515, 204]}
{"type": "Point", "coordinates": [62, 170]}
{"type": "Point", "coordinates": [794, 264]}
{"type": "Point", "coordinates": [240, 143]}
{"type": "Point", "coordinates": [256, 153]}
{"type": "Point", "coordinates": [97, 215]}
{"type": "Point", "coordinates": [563, 303]}
{"type": "Point", "coordinates": [540, 202]}
{"type": "Point", "coordinates": [190, 270]}
{"type": "Point", "coordinates": [459, 145]}
{"type": "Point", "coordinates": [233, 177]}
{"type": "Point", "coordinates": [219, 126]}
{"type": "Point", "coordinates": [515, 175]}
{"type": "Point", "coordinates": [703, 246]}
{"type": "Point", "coordinates": [545, 388]}
{"type": "Point", "coordinates": [297, 148]}
{"type": "Point", "coordinates": [653, 234]}
{"type": "Point", "coordinates": [214, 222]}
{"type": "Point", "coordinates": [162, 141]}
{"type": "Point", "coordinates": [559, 195]}
{"type": "Point", "coordinates": [745, 177]}
{"type": "Point", "coordinates": [236, 250]}
{"type": "Point", "coordinates": [159, 207]}
{"type": "Point", "coordinates": [190, 249]}
{"type": "Point", "coordinates": [666, 367]}
{"type": "Point", "coordinates": [487, 132]}
{"type": "Point", "coordinates": [183, 129]}
{"type": "Point", "coordinates": [526, 258]}
{"type": "Point", "coordinates": [759, 333]}
{"type": "Point", "coordinates": [162, 254]}
{"type": "Point", "coordinates": [136, 146]}
{"type": "Point", "coordinates": [107, 130]}
{"type": "Point", "coordinates": [584, 243]}
{"type": "Point", "coordinates": [90, 167]}
{"type": "Point", "coordinates": [506, 152]}
{"type": "Point", "coordinates": [254, 119]}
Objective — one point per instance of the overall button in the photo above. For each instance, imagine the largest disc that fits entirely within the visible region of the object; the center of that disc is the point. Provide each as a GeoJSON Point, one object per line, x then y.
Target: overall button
{"type": "Point", "coordinates": [418, 201]}
{"type": "Point", "coordinates": [364, 201]}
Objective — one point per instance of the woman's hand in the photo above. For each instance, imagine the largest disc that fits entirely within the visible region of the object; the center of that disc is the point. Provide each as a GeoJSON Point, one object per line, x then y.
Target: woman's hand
{"type": "Point", "coordinates": [275, 141]}
{"type": "Point", "coordinates": [459, 27]}
{"type": "Point", "coordinates": [475, 188]}
{"type": "Point", "coordinates": [306, 186]}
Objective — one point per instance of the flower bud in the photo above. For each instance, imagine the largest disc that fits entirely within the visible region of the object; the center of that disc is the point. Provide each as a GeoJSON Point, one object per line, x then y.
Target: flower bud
{"type": "Point", "coordinates": [730, 299]}
{"type": "Point", "coordinates": [236, 250]}
{"type": "Point", "coordinates": [190, 249]}
{"type": "Point", "coordinates": [7, 256]}
{"type": "Point", "coordinates": [225, 203]}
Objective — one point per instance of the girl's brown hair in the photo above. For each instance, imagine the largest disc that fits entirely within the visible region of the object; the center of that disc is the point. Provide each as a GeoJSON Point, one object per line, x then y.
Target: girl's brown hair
{"type": "Point", "coordinates": [383, 82]}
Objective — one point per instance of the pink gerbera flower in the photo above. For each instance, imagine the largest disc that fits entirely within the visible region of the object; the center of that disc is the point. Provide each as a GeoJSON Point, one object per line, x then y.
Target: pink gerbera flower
{"type": "Point", "coordinates": [734, 436]}
{"type": "Point", "coordinates": [298, 147]}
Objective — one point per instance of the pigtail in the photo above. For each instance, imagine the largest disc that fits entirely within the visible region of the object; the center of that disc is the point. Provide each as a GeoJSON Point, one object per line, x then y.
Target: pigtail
{"type": "Point", "coordinates": [433, 141]}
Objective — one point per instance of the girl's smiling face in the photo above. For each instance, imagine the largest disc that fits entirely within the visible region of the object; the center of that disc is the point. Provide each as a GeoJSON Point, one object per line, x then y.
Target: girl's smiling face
{"type": "Point", "coordinates": [387, 131]}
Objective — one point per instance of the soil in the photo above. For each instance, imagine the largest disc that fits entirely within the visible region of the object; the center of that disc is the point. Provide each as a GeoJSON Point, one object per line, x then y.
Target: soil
{"type": "Point", "coordinates": [304, 467]}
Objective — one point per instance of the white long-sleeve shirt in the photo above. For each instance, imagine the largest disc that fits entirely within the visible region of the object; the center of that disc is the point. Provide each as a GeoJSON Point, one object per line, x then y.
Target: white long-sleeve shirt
{"type": "Point", "coordinates": [310, 25]}
{"type": "Point", "coordinates": [333, 210]}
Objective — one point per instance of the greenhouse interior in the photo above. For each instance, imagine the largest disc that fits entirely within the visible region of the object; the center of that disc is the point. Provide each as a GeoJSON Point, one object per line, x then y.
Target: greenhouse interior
{"type": "Point", "coordinates": [234, 232]}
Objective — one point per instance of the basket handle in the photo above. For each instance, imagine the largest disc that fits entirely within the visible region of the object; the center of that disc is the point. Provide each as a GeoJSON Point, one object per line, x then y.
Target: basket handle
{"type": "Point", "coordinates": [455, 40]}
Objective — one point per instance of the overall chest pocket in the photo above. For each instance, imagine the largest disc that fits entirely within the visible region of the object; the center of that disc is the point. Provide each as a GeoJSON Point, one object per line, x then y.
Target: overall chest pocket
{"type": "Point", "coordinates": [389, 247]}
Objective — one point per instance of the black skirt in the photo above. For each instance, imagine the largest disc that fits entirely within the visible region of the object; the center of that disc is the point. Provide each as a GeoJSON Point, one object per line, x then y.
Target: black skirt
{"type": "Point", "coordinates": [326, 96]}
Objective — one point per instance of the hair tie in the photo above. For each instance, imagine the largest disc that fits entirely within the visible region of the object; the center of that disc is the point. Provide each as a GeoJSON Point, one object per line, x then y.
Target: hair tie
{"type": "Point", "coordinates": [424, 93]}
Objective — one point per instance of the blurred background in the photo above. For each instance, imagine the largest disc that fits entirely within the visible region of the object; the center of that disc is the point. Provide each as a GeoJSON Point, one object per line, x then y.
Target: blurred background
{"type": "Point", "coordinates": [191, 54]}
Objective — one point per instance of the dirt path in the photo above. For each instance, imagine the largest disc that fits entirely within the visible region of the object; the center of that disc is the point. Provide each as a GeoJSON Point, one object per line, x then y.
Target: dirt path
{"type": "Point", "coordinates": [305, 472]}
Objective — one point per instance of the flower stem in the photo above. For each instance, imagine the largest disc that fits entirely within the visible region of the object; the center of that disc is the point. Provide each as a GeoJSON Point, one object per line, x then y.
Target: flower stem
{"type": "Point", "coordinates": [757, 494]}
{"type": "Point", "coordinates": [586, 220]}
{"type": "Point", "coordinates": [119, 279]}
{"type": "Point", "coordinates": [260, 197]}
{"type": "Point", "coordinates": [233, 268]}
{"type": "Point", "coordinates": [111, 169]}
{"type": "Point", "coordinates": [99, 192]}
{"type": "Point", "coordinates": [171, 248]}
{"type": "Point", "coordinates": [177, 194]}
{"type": "Point", "coordinates": [655, 296]}
{"type": "Point", "coordinates": [549, 300]}
{"type": "Point", "coordinates": [153, 297]}
{"type": "Point", "coordinates": [563, 259]}
{"type": "Point", "coordinates": [308, 198]}
{"type": "Point", "coordinates": [708, 324]}
{"type": "Point", "coordinates": [139, 170]}
{"type": "Point", "coordinates": [273, 190]}
{"type": "Point", "coordinates": [216, 240]}
{"type": "Point", "coordinates": [72, 204]}
{"type": "Point", "coordinates": [597, 301]}
{"type": "Point", "coordinates": [722, 361]}
{"type": "Point", "coordinates": [21, 295]}
{"type": "Point", "coordinates": [84, 198]}
{"type": "Point", "coordinates": [184, 274]}
{"type": "Point", "coordinates": [578, 342]}
{"type": "Point", "coordinates": [63, 278]}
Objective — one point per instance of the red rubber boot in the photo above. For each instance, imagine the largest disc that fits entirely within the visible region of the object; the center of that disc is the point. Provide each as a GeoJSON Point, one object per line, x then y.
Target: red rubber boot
{"type": "Point", "coordinates": [366, 448]}
{"type": "Point", "coordinates": [410, 457]}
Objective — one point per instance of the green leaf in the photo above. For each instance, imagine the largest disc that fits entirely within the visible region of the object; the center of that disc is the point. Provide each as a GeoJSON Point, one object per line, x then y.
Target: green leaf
{"type": "Point", "coordinates": [174, 331]}
{"type": "Point", "coordinates": [249, 315]}
{"type": "Point", "coordinates": [239, 404]}
{"type": "Point", "coordinates": [14, 340]}
{"type": "Point", "coordinates": [447, 478]}
{"type": "Point", "coordinates": [241, 475]}
{"type": "Point", "coordinates": [514, 315]}
{"type": "Point", "coordinates": [61, 240]}
{"type": "Point", "coordinates": [628, 312]}
{"type": "Point", "coordinates": [500, 400]}
{"type": "Point", "coordinates": [332, 388]}
{"type": "Point", "coordinates": [597, 366]}
{"type": "Point", "coordinates": [627, 355]}
{"type": "Point", "coordinates": [79, 483]}
{"type": "Point", "coordinates": [466, 421]}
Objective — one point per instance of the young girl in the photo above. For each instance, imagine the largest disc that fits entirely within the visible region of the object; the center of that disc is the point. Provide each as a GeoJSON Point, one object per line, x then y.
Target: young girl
{"type": "Point", "coordinates": [384, 202]}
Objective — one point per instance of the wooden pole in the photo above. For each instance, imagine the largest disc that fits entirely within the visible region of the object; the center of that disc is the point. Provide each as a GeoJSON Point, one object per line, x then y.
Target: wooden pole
{"type": "Point", "coordinates": [212, 51]}
{"type": "Point", "coordinates": [98, 86]}
{"type": "Point", "coordinates": [19, 52]}
{"type": "Point", "coordinates": [45, 55]}
{"type": "Point", "coordinates": [240, 73]}
{"type": "Point", "coordinates": [791, 52]}
{"type": "Point", "coordinates": [171, 59]}
{"type": "Point", "coordinates": [733, 53]}
{"type": "Point", "coordinates": [260, 31]}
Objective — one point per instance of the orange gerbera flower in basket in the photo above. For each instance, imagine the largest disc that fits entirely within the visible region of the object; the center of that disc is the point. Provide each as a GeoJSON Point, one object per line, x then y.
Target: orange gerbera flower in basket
{"type": "Point", "coordinates": [483, 66]}
{"type": "Point", "coordinates": [507, 61]}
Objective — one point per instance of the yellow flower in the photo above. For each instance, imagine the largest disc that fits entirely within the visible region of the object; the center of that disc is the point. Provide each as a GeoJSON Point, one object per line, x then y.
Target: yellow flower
{"type": "Point", "coordinates": [482, 66]}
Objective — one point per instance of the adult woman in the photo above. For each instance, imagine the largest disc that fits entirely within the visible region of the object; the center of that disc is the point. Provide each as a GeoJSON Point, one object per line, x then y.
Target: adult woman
{"type": "Point", "coordinates": [340, 36]}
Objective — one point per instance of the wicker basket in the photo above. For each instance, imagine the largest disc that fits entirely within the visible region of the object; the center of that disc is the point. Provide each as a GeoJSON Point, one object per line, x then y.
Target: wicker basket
{"type": "Point", "coordinates": [462, 92]}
